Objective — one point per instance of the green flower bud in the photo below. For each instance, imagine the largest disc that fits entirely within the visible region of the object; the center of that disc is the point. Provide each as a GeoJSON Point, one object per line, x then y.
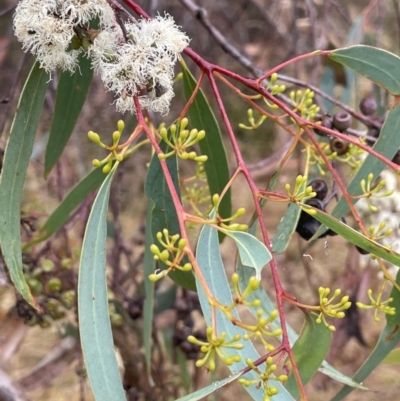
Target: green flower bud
{"type": "Point", "coordinates": [54, 284]}
{"type": "Point", "coordinates": [47, 265]}
{"type": "Point", "coordinates": [120, 126]}
{"type": "Point", "coordinates": [94, 137]}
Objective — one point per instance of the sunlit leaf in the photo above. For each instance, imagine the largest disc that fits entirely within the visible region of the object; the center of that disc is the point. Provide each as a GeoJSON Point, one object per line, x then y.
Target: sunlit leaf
{"type": "Point", "coordinates": [253, 253]}
{"type": "Point", "coordinates": [71, 95]}
{"type": "Point", "coordinates": [213, 272]}
{"type": "Point", "coordinates": [94, 321]}
{"type": "Point", "coordinates": [379, 65]}
{"type": "Point", "coordinates": [15, 164]}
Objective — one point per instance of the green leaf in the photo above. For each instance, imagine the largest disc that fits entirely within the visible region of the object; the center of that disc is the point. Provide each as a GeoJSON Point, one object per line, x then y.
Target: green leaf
{"type": "Point", "coordinates": [212, 269]}
{"type": "Point", "coordinates": [71, 96]}
{"type": "Point", "coordinates": [213, 387]}
{"type": "Point", "coordinates": [388, 339]}
{"type": "Point", "coordinates": [149, 265]}
{"type": "Point", "coordinates": [387, 144]}
{"type": "Point", "coordinates": [392, 358]}
{"type": "Point", "coordinates": [355, 237]}
{"type": "Point", "coordinates": [378, 65]}
{"type": "Point", "coordinates": [309, 351]}
{"type": "Point", "coordinates": [286, 228]}
{"type": "Point", "coordinates": [94, 321]}
{"type": "Point", "coordinates": [163, 213]}
{"type": "Point", "coordinates": [15, 164]}
{"type": "Point", "coordinates": [216, 167]}
{"type": "Point", "coordinates": [73, 199]}
{"type": "Point", "coordinates": [252, 252]}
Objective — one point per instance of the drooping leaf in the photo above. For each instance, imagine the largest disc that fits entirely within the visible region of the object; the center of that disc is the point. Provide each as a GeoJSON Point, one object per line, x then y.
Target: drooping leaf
{"type": "Point", "coordinates": [216, 167]}
{"type": "Point", "coordinates": [378, 65]}
{"type": "Point", "coordinates": [388, 339]}
{"type": "Point", "coordinates": [286, 228]}
{"type": "Point", "coordinates": [73, 199]}
{"type": "Point", "coordinates": [387, 144]}
{"type": "Point", "coordinates": [94, 321]}
{"type": "Point", "coordinates": [355, 237]}
{"type": "Point", "coordinates": [163, 213]}
{"type": "Point", "coordinates": [213, 274]}
{"type": "Point", "coordinates": [309, 351]}
{"type": "Point", "coordinates": [253, 253]}
{"type": "Point", "coordinates": [71, 96]}
{"type": "Point", "coordinates": [149, 265]}
{"type": "Point", "coordinates": [15, 164]}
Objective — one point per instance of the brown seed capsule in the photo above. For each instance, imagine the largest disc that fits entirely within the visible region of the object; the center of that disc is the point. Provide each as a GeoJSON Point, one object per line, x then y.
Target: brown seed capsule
{"type": "Point", "coordinates": [326, 121]}
{"type": "Point", "coordinates": [339, 146]}
{"type": "Point", "coordinates": [341, 121]}
{"type": "Point", "coordinates": [368, 106]}
{"type": "Point", "coordinates": [320, 187]}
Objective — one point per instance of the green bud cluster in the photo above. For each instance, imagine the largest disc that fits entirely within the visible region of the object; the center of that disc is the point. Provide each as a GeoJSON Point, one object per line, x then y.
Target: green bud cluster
{"type": "Point", "coordinates": [107, 162]}
{"type": "Point", "coordinates": [300, 192]}
{"type": "Point", "coordinates": [378, 305]}
{"type": "Point", "coordinates": [260, 329]}
{"type": "Point", "coordinates": [172, 254]}
{"type": "Point", "coordinates": [264, 378]}
{"type": "Point", "coordinates": [327, 308]}
{"type": "Point", "coordinates": [221, 222]}
{"type": "Point", "coordinates": [253, 124]}
{"type": "Point", "coordinates": [369, 190]}
{"type": "Point", "coordinates": [216, 345]}
{"type": "Point", "coordinates": [240, 298]}
{"type": "Point", "coordinates": [303, 102]}
{"type": "Point", "coordinates": [180, 139]}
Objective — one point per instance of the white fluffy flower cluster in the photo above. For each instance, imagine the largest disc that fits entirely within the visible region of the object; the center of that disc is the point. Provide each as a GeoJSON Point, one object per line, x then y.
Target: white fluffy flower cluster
{"type": "Point", "coordinates": [388, 210]}
{"type": "Point", "coordinates": [140, 64]}
{"type": "Point", "coordinates": [137, 59]}
{"type": "Point", "coordinates": [46, 28]}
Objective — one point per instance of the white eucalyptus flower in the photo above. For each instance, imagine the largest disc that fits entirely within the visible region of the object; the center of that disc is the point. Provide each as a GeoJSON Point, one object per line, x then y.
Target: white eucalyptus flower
{"type": "Point", "coordinates": [46, 28]}
{"type": "Point", "coordinates": [141, 64]}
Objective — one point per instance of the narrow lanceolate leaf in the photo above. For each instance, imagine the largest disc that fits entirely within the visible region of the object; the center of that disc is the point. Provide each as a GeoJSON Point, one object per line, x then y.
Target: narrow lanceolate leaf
{"type": "Point", "coordinates": [355, 237]}
{"type": "Point", "coordinates": [71, 95]}
{"type": "Point", "coordinates": [73, 199]}
{"type": "Point", "coordinates": [252, 252]}
{"type": "Point", "coordinates": [379, 65]}
{"type": "Point", "coordinates": [217, 168]}
{"type": "Point", "coordinates": [212, 388]}
{"type": "Point", "coordinates": [389, 338]}
{"type": "Point", "coordinates": [309, 351]}
{"type": "Point", "coordinates": [149, 265]}
{"type": "Point", "coordinates": [387, 144]}
{"type": "Point", "coordinates": [213, 272]}
{"type": "Point", "coordinates": [94, 321]}
{"type": "Point", "coordinates": [15, 164]}
{"type": "Point", "coordinates": [286, 228]}
{"type": "Point", "coordinates": [163, 213]}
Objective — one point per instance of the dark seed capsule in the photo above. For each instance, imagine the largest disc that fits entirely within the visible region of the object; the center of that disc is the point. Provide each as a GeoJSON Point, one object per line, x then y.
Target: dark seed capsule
{"type": "Point", "coordinates": [307, 226]}
{"type": "Point", "coordinates": [341, 121]}
{"type": "Point", "coordinates": [339, 146]}
{"type": "Point", "coordinates": [326, 121]}
{"type": "Point", "coordinates": [320, 187]}
{"type": "Point", "coordinates": [368, 106]}
{"type": "Point", "coordinates": [373, 133]}
{"type": "Point", "coordinates": [362, 251]}
{"type": "Point", "coordinates": [396, 158]}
